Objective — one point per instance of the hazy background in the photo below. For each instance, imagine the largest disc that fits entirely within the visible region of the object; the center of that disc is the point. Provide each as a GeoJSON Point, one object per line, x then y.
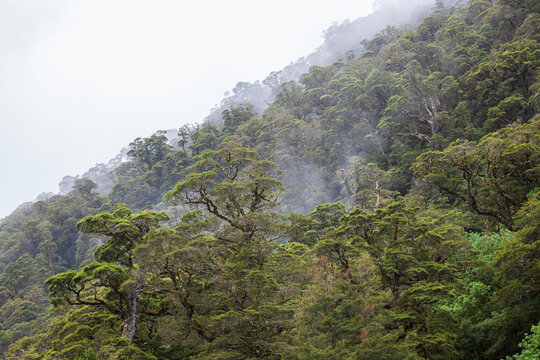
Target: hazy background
{"type": "Point", "coordinates": [81, 79]}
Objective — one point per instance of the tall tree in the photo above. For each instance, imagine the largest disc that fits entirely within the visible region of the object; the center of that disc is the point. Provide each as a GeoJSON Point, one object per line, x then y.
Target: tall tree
{"type": "Point", "coordinates": [236, 192]}
{"type": "Point", "coordinates": [108, 282]}
{"type": "Point", "coordinates": [492, 177]}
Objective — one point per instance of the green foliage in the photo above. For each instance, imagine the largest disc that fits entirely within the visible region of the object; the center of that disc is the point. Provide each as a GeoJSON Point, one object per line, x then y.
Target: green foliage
{"type": "Point", "coordinates": [125, 229]}
{"type": "Point", "coordinates": [233, 185]}
{"type": "Point", "coordinates": [147, 152]}
{"type": "Point", "coordinates": [239, 310]}
{"type": "Point", "coordinates": [89, 354]}
{"type": "Point", "coordinates": [349, 252]}
{"type": "Point", "coordinates": [108, 284]}
{"type": "Point", "coordinates": [310, 229]}
{"type": "Point", "coordinates": [84, 186]}
{"type": "Point", "coordinates": [517, 268]}
{"type": "Point", "coordinates": [414, 251]}
{"type": "Point", "coordinates": [530, 346]}
{"type": "Point", "coordinates": [492, 177]}
{"type": "Point", "coordinates": [236, 116]}
{"type": "Point", "coordinates": [37, 243]}
{"type": "Point", "coordinates": [487, 244]}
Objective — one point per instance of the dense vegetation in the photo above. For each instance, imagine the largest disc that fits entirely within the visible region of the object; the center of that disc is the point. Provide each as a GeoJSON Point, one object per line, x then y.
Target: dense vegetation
{"type": "Point", "coordinates": [384, 207]}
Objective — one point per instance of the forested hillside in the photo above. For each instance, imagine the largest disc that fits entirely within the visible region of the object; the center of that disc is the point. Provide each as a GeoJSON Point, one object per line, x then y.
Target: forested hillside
{"type": "Point", "coordinates": [386, 206]}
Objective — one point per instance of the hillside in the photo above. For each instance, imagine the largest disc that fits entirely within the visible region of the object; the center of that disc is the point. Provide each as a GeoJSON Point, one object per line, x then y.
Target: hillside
{"type": "Point", "coordinates": [384, 206]}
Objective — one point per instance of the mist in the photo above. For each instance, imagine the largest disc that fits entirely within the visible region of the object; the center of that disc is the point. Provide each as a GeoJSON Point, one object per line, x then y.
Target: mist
{"type": "Point", "coordinates": [305, 181]}
{"type": "Point", "coordinates": [339, 39]}
{"type": "Point", "coordinates": [81, 80]}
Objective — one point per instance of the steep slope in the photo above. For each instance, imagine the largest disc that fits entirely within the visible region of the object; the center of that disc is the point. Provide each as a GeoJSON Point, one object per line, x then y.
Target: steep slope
{"type": "Point", "coordinates": [340, 41]}
{"type": "Point", "coordinates": [429, 139]}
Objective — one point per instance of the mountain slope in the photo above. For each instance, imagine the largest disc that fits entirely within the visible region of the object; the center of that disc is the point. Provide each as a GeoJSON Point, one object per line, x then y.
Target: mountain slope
{"type": "Point", "coordinates": [405, 194]}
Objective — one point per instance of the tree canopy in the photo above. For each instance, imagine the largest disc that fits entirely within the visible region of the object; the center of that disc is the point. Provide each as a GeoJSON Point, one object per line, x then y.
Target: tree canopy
{"type": "Point", "coordinates": [384, 206]}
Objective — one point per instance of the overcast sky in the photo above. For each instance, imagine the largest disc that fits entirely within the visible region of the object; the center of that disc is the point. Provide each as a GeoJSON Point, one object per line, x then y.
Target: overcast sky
{"type": "Point", "coordinates": [81, 79]}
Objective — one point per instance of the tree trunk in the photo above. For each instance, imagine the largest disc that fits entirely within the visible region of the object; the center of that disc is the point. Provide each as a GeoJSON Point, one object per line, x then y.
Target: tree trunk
{"type": "Point", "coordinates": [131, 321]}
{"type": "Point", "coordinates": [378, 195]}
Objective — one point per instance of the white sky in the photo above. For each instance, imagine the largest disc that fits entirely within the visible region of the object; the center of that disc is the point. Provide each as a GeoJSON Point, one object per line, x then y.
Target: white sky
{"type": "Point", "coordinates": [81, 79]}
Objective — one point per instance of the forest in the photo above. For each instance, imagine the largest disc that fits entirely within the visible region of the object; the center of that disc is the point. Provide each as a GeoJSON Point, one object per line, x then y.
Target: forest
{"type": "Point", "coordinates": [386, 206]}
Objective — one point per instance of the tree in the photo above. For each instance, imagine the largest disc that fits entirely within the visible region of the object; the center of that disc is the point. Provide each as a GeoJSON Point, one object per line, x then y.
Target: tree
{"type": "Point", "coordinates": [148, 151]}
{"type": "Point", "coordinates": [517, 269]}
{"type": "Point", "coordinates": [414, 252]}
{"type": "Point", "coordinates": [530, 346]}
{"type": "Point", "coordinates": [248, 309]}
{"type": "Point", "coordinates": [492, 177]}
{"type": "Point", "coordinates": [233, 185]}
{"type": "Point", "coordinates": [84, 186]}
{"type": "Point", "coordinates": [236, 116]}
{"type": "Point", "coordinates": [310, 229]}
{"type": "Point", "coordinates": [108, 282]}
